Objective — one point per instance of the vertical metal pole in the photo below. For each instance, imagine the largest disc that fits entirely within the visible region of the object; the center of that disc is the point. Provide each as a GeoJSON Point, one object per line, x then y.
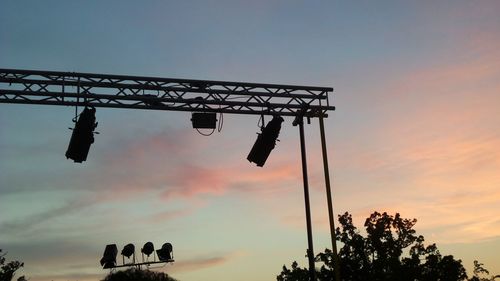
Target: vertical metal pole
{"type": "Point", "coordinates": [310, 250]}
{"type": "Point", "coordinates": [329, 200]}
{"type": "Point", "coordinates": [77, 100]}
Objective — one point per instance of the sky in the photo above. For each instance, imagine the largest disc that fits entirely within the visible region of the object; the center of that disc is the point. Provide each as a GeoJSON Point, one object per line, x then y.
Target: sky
{"type": "Point", "coordinates": [416, 130]}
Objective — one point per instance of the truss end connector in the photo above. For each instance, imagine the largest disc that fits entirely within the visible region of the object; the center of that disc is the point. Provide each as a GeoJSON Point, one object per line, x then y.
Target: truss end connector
{"type": "Point", "coordinates": [300, 115]}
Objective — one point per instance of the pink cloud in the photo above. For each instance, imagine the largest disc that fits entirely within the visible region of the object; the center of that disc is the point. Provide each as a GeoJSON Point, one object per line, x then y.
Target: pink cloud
{"type": "Point", "coordinates": [435, 154]}
{"type": "Point", "coordinates": [194, 180]}
{"type": "Point", "coordinates": [174, 165]}
{"type": "Point", "coordinates": [465, 217]}
{"type": "Point", "coordinates": [450, 184]}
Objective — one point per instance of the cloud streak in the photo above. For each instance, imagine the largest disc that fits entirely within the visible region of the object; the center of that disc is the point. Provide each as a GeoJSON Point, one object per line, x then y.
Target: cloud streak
{"type": "Point", "coordinates": [166, 164]}
{"type": "Point", "coordinates": [201, 263]}
{"type": "Point", "coordinates": [436, 152]}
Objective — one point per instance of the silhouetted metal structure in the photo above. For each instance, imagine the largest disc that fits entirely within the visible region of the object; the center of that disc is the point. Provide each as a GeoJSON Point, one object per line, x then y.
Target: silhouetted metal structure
{"type": "Point", "coordinates": [137, 92]}
{"type": "Point", "coordinates": [165, 253]}
{"type": "Point", "coordinates": [147, 249]}
{"type": "Point", "coordinates": [120, 91]}
{"type": "Point", "coordinates": [266, 141]}
{"type": "Point", "coordinates": [204, 120]}
{"type": "Point", "coordinates": [108, 260]}
{"type": "Point", "coordinates": [82, 136]}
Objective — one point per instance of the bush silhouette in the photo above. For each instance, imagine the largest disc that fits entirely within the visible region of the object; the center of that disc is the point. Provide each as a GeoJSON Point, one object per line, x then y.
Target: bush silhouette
{"type": "Point", "coordinates": [135, 274]}
{"type": "Point", "coordinates": [8, 269]}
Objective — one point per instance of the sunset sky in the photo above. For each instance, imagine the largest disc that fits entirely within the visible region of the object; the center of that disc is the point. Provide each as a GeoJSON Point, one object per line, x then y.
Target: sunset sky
{"type": "Point", "coordinates": [416, 130]}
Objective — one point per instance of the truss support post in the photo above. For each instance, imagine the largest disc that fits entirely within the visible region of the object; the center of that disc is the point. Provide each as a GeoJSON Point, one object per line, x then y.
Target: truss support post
{"type": "Point", "coordinates": [329, 200]}
{"type": "Point", "coordinates": [310, 250]}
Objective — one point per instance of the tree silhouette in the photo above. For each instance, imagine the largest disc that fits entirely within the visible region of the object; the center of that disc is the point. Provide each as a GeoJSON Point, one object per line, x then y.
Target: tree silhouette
{"type": "Point", "coordinates": [8, 269]}
{"type": "Point", "coordinates": [480, 271]}
{"type": "Point", "coordinates": [390, 251]}
{"type": "Point", "coordinates": [135, 274]}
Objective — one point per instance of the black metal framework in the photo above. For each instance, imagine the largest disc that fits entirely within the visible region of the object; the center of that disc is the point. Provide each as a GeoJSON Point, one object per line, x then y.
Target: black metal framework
{"type": "Point", "coordinates": [119, 91]}
{"type": "Point", "coordinates": [136, 92]}
{"type": "Point", "coordinates": [140, 264]}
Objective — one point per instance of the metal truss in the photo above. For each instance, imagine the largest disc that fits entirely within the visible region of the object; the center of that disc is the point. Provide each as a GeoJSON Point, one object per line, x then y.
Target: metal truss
{"type": "Point", "coordinates": [119, 91]}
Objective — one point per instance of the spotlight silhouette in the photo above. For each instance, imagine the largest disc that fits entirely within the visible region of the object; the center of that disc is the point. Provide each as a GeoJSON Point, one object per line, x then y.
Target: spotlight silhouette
{"type": "Point", "coordinates": [148, 248]}
{"type": "Point", "coordinates": [108, 259]}
{"type": "Point", "coordinates": [82, 136]}
{"type": "Point", "coordinates": [165, 253]}
{"type": "Point", "coordinates": [266, 141]}
{"type": "Point", "coordinates": [128, 250]}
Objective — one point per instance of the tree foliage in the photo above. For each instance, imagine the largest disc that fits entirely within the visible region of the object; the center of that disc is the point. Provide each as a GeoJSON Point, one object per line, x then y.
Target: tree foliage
{"type": "Point", "coordinates": [390, 250]}
{"type": "Point", "coordinates": [135, 274]}
{"type": "Point", "coordinates": [482, 274]}
{"type": "Point", "coordinates": [8, 269]}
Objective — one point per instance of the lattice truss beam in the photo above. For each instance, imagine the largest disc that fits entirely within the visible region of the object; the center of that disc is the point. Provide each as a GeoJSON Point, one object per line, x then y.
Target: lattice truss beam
{"type": "Point", "coordinates": [119, 91]}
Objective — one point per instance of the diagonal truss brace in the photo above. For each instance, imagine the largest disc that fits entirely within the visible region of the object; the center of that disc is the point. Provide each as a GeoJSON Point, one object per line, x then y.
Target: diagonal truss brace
{"type": "Point", "coordinates": [120, 91]}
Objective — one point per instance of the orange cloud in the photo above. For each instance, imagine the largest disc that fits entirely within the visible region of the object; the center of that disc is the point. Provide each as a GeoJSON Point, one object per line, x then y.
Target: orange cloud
{"type": "Point", "coordinates": [435, 154]}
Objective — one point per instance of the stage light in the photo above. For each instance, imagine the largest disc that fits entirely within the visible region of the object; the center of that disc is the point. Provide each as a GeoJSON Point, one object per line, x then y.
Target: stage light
{"type": "Point", "coordinates": [266, 141]}
{"type": "Point", "coordinates": [148, 249]}
{"type": "Point", "coordinates": [108, 259]}
{"type": "Point", "coordinates": [165, 253]}
{"type": "Point", "coordinates": [204, 120]}
{"type": "Point", "coordinates": [82, 136]}
{"type": "Point", "coordinates": [128, 250]}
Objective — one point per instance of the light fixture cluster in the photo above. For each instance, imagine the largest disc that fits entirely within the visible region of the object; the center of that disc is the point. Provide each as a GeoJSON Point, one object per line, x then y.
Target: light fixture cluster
{"type": "Point", "coordinates": [164, 255]}
{"type": "Point", "coordinates": [84, 130]}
